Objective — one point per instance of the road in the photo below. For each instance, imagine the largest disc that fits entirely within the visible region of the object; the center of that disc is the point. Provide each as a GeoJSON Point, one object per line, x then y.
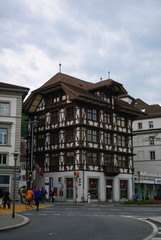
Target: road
{"type": "Point", "coordinates": [86, 222]}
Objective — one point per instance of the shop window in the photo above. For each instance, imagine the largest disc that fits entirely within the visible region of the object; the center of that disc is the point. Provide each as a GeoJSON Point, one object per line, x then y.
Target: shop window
{"type": "Point", "coordinates": [92, 114]}
{"type": "Point", "coordinates": [93, 188]}
{"type": "Point", "coordinates": [69, 188]}
{"type": "Point", "coordinates": [123, 189]}
{"type": "Point", "coordinates": [4, 108]}
{"type": "Point", "coordinates": [3, 159]}
{"type": "Point", "coordinates": [4, 182]}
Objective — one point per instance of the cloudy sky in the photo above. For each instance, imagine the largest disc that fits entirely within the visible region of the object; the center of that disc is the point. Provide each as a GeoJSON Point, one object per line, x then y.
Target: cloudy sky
{"type": "Point", "coordinates": [89, 37]}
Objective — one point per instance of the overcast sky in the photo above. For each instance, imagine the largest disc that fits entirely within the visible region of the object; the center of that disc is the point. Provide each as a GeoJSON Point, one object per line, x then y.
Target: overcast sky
{"type": "Point", "coordinates": [89, 37]}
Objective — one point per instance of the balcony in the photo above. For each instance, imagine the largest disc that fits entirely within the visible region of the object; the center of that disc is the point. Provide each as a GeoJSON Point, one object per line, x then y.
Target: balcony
{"type": "Point", "coordinates": [111, 170]}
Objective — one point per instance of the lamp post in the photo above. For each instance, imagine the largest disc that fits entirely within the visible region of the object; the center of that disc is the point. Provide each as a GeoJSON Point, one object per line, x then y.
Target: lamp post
{"type": "Point", "coordinates": [139, 185]}
{"type": "Point", "coordinates": [16, 154]}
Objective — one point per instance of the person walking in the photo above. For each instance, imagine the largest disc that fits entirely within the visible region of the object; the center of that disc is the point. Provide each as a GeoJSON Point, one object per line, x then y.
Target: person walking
{"type": "Point", "coordinates": [43, 194]}
{"type": "Point", "coordinates": [6, 199]}
{"type": "Point", "coordinates": [52, 194]}
{"type": "Point", "coordinates": [1, 197]}
{"type": "Point", "coordinates": [37, 195]}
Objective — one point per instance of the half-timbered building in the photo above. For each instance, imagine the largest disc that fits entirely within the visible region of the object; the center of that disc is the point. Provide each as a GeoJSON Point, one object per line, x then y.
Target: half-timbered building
{"type": "Point", "coordinates": [81, 138]}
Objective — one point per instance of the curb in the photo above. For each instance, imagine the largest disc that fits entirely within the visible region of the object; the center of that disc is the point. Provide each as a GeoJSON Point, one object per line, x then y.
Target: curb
{"type": "Point", "coordinates": [25, 221]}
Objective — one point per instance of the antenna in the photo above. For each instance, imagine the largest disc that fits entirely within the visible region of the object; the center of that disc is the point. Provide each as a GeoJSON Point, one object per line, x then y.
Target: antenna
{"type": "Point", "coordinates": [108, 75]}
{"type": "Point", "coordinates": [60, 67]}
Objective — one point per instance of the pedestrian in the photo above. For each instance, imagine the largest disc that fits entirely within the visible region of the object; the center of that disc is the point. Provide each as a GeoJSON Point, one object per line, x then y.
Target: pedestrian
{"type": "Point", "coordinates": [43, 194]}
{"type": "Point", "coordinates": [6, 199]}
{"type": "Point", "coordinates": [52, 194]}
{"type": "Point", "coordinates": [30, 196]}
{"type": "Point", "coordinates": [37, 195]}
{"type": "Point", "coordinates": [89, 197]}
{"type": "Point", "coordinates": [24, 194]}
{"type": "Point", "coordinates": [1, 197]}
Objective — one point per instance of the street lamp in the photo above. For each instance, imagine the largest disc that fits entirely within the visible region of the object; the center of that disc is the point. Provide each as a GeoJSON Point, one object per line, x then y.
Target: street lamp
{"type": "Point", "coordinates": [139, 185]}
{"type": "Point", "coordinates": [16, 154]}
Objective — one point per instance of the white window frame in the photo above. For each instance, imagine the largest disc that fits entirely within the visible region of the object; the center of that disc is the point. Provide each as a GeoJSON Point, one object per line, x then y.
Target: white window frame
{"type": "Point", "coordinates": [4, 111]}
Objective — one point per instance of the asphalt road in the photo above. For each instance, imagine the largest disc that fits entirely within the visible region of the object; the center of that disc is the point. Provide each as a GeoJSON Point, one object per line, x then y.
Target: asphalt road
{"type": "Point", "coordinates": [85, 222]}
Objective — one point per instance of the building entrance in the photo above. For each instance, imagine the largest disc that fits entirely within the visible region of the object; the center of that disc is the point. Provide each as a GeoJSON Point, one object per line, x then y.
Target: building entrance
{"type": "Point", "coordinates": [109, 190]}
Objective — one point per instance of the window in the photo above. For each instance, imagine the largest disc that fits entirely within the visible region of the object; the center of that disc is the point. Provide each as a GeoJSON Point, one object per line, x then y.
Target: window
{"type": "Point", "coordinates": [122, 161]}
{"type": "Point", "coordinates": [108, 159]}
{"type": "Point", "coordinates": [69, 158]}
{"type": "Point", "coordinates": [4, 182]}
{"type": "Point", "coordinates": [69, 188]}
{"type": "Point", "coordinates": [107, 118]}
{"type": "Point", "coordinates": [121, 141]}
{"type": "Point", "coordinates": [41, 121]}
{"type": "Point", "coordinates": [54, 163]}
{"type": "Point", "coordinates": [23, 166]}
{"type": "Point", "coordinates": [140, 125]}
{"type": "Point", "coordinates": [152, 155]}
{"type": "Point", "coordinates": [93, 188]}
{"type": "Point", "coordinates": [3, 159]}
{"type": "Point", "coordinates": [123, 189]}
{"type": "Point", "coordinates": [151, 140]}
{"type": "Point", "coordinates": [40, 140]}
{"type": "Point", "coordinates": [121, 121]}
{"type": "Point", "coordinates": [69, 135]}
{"type": "Point", "coordinates": [92, 158]}
{"type": "Point", "coordinates": [91, 136]}
{"type": "Point", "coordinates": [151, 124]}
{"type": "Point", "coordinates": [54, 117]}
{"type": "Point", "coordinates": [3, 136]}
{"type": "Point", "coordinates": [107, 138]}
{"type": "Point", "coordinates": [92, 114]}
{"type": "Point", "coordinates": [70, 113]}
{"type": "Point", "coordinates": [4, 108]}
{"type": "Point", "coordinates": [106, 99]}
{"type": "Point", "coordinates": [54, 138]}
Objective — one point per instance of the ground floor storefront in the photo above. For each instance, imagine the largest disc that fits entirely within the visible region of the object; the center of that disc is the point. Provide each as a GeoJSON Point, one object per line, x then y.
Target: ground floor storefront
{"type": "Point", "coordinates": [69, 187]}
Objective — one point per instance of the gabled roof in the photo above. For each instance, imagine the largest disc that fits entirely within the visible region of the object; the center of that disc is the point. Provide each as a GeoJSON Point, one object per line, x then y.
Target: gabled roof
{"type": "Point", "coordinates": [76, 89]}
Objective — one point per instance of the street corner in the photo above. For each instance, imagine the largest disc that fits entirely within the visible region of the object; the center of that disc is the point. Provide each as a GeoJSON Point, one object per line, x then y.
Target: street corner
{"type": "Point", "coordinates": [8, 222]}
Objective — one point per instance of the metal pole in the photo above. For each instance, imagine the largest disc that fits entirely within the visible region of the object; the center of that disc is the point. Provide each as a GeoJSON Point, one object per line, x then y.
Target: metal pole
{"type": "Point", "coordinates": [14, 187]}
{"type": "Point", "coordinates": [32, 143]}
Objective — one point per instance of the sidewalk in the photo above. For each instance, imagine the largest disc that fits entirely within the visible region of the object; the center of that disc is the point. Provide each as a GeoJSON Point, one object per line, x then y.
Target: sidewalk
{"type": "Point", "coordinates": [7, 222]}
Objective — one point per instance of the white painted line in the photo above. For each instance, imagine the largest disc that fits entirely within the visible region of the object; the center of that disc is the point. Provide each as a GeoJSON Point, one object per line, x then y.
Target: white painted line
{"type": "Point", "coordinates": [56, 214]}
{"type": "Point", "coordinates": [42, 214]}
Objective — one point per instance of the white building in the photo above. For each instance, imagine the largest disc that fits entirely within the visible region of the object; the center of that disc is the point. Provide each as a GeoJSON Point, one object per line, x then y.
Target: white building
{"type": "Point", "coordinates": [11, 98]}
{"type": "Point", "coordinates": [147, 150]}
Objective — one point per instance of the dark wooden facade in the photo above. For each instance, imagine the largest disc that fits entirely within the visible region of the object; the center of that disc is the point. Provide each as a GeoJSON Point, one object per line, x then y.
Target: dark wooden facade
{"type": "Point", "coordinates": [81, 126]}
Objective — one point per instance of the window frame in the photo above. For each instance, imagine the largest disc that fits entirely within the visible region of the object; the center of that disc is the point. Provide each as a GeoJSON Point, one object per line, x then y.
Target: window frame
{"type": "Point", "coordinates": [92, 135]}
{"type": "Point", "coordinates": [2, 155]}
{"type": "Point", "coordinates": [92, 158]}
{"type": "Point", "coordinates": [151, 124]}
{"type": "Point", "coordinates": [121, 140]}
{"type": "Point", "coordinates": [152, 155]}
{"type": "Point", "coordinates": [3, 109]}
{"type": "Point", "coordinates": [69, 113]}
{"type": "Point", "coordinates": [121, 121]}
{"type": "Point", "coordinates": [92, 114]}
{"type": "Point", "coordinates": [140, 125]}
